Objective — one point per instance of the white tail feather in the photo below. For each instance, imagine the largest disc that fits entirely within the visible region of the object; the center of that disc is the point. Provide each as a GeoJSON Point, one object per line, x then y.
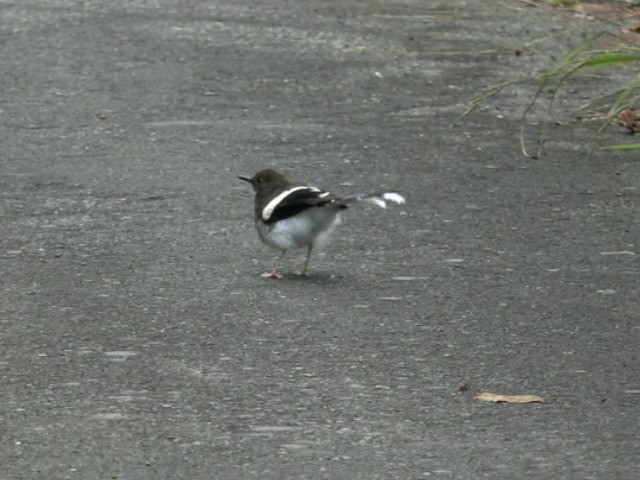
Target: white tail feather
{"type": "Point", "coordinates": [379, 199]}
{"type": "Point", "coordinates": [393, 197]}
{"type": "Point", "coordinates": [376, 201]}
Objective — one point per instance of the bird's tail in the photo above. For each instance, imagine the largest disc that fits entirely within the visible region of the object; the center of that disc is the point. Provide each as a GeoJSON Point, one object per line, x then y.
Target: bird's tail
{"type": "Point", "coordinates": [380, 199]}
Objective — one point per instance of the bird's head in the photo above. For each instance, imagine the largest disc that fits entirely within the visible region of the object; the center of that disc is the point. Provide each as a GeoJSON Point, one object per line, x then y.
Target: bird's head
{"type": "Point", "coordinates": [266, 180]}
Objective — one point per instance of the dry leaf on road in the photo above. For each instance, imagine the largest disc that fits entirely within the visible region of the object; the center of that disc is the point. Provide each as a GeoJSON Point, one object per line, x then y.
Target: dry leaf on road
{"type": "Point", "coordinates": [629, 119]}
{"type": "Point", "coordinates": [496, 397]}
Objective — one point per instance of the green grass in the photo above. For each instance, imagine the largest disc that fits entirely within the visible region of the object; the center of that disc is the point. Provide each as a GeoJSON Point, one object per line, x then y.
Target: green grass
{"type": "Point", "coordinates": [587, 55]}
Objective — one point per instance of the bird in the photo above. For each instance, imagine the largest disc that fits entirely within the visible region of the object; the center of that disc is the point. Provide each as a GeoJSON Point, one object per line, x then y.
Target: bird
{"type": "Point", "coordinates": [290, 215]}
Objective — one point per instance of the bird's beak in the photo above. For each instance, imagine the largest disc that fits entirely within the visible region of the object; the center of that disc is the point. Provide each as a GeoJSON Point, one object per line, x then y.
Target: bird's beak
{"type": "Point", "coordinates": [246, 179]}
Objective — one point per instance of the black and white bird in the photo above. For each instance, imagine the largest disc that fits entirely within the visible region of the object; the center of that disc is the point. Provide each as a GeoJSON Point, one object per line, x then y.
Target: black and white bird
{"type": "Point", "coordinates": [290, 216]}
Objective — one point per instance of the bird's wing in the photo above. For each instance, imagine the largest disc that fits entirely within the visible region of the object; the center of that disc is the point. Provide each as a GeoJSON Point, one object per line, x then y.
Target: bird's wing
{"type": "Point", "coordinates": [295, 200]}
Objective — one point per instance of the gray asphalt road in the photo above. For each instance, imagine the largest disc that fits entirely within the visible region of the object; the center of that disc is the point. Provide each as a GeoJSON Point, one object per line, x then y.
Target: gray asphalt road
{"type": "Point", "coordinates": [137, 340]}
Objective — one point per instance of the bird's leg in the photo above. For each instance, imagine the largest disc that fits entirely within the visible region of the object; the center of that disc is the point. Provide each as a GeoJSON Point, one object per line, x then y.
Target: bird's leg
{"type": "Point", "coordinates": [274, 272]}
{"type": "Point", "coordinates": [305, 270]}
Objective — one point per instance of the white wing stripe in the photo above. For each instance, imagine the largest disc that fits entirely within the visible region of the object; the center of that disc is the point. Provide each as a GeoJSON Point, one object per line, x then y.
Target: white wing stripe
{"type": "Point", "coordinates": [267, 211]}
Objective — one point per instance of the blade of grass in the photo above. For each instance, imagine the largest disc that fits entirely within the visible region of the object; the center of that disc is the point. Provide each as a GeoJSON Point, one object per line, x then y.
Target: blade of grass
{"type": "Point", "coordinates": [491, 91]}
{"type": "Point", "coordinates": [606, 121]}
{"type": "Point", "coordinates": [571, 67]}
{"type": "Point", "coordinates": [578, 58]}
{"type": "Point", "coordinates": [545, 120]}
{"type": "Point", "coordinates": [523, 147]}
{"type": "Point", "coordinates": [600, 98]}
{"type": "Point", "coordinates": [621, 99]}
{"type": "Point", "coordinates": [622, 147]}
{"type": "Point", "coordinates": [607, 59]}
{"type": "Point", "coordinates": [620, 104]}
{"type": "Point", "coordinates": [572, 54]}
{"type": "Point", "coordinates": [562, 64]}
{"type": "Point", "coordinates": [599, 60]}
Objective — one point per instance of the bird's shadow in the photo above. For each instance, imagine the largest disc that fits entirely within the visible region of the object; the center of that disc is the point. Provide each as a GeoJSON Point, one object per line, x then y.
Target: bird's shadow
{"type": "Point", "coordinates": [315, 278]}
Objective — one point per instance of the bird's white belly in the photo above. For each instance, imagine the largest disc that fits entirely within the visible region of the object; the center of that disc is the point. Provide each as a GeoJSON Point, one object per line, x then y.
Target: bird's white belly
{"type": "Point", "coordinates": [310, 228]}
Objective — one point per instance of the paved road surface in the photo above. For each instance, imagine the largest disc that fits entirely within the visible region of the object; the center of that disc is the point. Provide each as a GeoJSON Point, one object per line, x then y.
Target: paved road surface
{"type": "Point", "coordinates": [137, 340]}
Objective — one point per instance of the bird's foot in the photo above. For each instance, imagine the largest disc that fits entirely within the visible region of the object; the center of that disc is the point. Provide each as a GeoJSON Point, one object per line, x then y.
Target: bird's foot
{"type": "Point", "coordinates": [273, 274]}
{"type": "Point", "coordinates": [303, 274]}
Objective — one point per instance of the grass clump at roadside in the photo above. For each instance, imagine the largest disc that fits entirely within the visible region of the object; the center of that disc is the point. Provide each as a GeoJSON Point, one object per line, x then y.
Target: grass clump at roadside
{"type": "Point", "coordinates": [618, 103]}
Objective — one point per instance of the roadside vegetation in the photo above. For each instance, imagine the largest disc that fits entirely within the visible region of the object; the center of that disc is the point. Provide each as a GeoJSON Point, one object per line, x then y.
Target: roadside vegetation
{"type": "Point", "coordinates": [616, 105]}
